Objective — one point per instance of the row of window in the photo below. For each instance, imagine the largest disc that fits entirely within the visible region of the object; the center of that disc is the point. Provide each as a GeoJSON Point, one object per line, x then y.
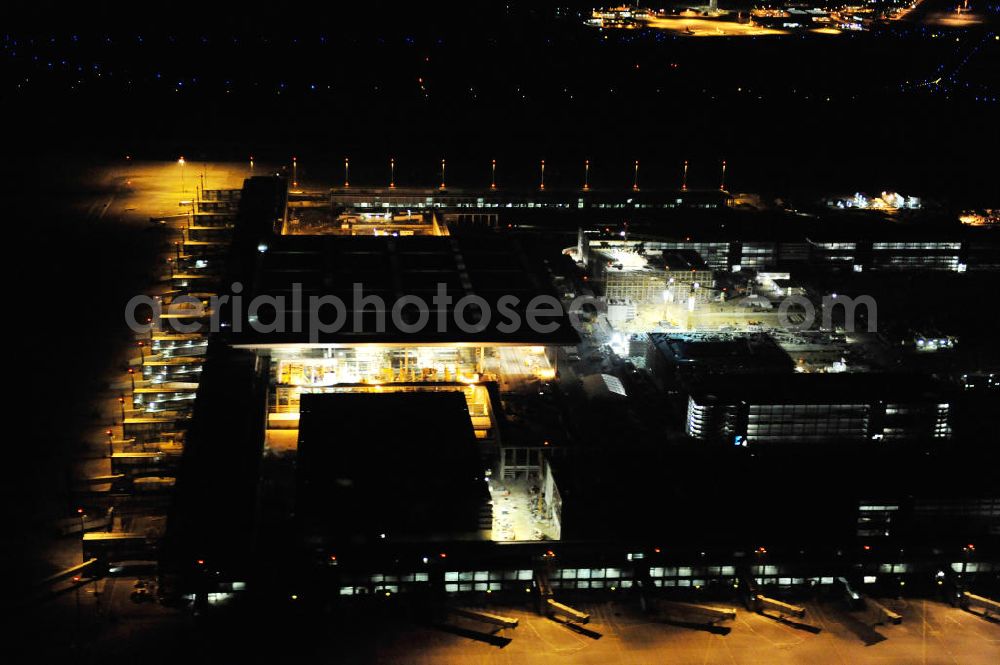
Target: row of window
{"type": "Point", "coordinates": [686, 571]}
{"type": "Point", "coordinates": [917, 245]}
{"type": "Point", "coordinates": [588, 573]}
{"type": "Point", "coordinates": [764, 576]}
{"type": "Point", "coordinates": [420, 205]}
{"type": "Point", "coordinates": [487, 575]}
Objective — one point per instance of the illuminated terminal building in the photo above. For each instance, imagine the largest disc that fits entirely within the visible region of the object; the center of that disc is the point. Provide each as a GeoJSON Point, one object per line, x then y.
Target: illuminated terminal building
{"type": "Point", "coordinates": [397, 418]}
{"type": "Point", "coordinates": [379, 459]}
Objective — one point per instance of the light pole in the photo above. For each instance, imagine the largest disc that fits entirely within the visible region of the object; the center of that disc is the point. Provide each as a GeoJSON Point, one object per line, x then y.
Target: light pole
{"type": "Point", "coordinates": [181, 163]}
{"type": "Point", "coordinates": [131, 376]}
{"type": "Point", "coordinates": [111, 445]}
{"type": "Point", "coordinates": [142, 352]}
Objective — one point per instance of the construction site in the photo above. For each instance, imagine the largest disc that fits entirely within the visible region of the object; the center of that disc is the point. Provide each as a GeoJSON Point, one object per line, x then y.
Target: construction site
{"type": "Point", "coordinates": [366, 465]}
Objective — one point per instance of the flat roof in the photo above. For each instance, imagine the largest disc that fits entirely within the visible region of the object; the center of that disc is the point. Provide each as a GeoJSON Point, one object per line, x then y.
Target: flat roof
{"type": "Point", "coordinates": [486, 267]}
{"type": "Point", "coordinates": [821, 388]}
{"type": "Point", "coordinates": [724, 352]}
{"type": "Point", "coordinates": [683, 259]}
{"type": "Point", "coordinates": [402, 464]}
{"type": "Point", "coordinates": [213, 512]}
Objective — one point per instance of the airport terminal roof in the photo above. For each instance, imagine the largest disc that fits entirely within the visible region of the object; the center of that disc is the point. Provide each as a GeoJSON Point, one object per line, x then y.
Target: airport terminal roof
{"type": "Point", "coordinates": [402, 464]}
{"type": "Point", "coordinates": [212, 519]}
{"type": "Point", "coordinates": [397, 270]}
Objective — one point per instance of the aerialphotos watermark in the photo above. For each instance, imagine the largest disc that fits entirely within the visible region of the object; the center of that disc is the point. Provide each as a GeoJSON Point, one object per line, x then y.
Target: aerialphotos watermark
{"type": "Point", "coordinates": [368, 313]}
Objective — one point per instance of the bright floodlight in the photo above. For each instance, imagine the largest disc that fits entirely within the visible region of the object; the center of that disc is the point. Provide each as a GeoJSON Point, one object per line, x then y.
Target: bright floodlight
{"type": "Point", "coordinates": [181, 161]}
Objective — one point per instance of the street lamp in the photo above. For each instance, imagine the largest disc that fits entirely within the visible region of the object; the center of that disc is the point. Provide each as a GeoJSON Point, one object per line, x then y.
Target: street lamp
{"type": "Point", "coordinates": [131, 376]}
{"type": "Point", "coordinates": [111, 445]}
{"type": "Point", "coordinates": [181, 163]}
{"type": "Point", "coordinates": [142, 352]}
